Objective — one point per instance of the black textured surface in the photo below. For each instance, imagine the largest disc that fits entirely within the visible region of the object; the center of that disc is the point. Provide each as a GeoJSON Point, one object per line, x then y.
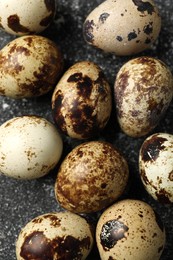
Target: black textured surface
{"type": "Point", "coordinates": [21, 201]}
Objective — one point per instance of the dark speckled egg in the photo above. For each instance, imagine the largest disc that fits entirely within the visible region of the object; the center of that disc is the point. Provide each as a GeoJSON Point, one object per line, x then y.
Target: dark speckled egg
{"type": "Point", "coordinates": [92, 176]}
{"type": "Point", "coordinates": [82, 102]}
{"type": "Point", "coordinates": [130, 229]}
{"type": "Point", "coordinates": [123, 27]}
{"type": "Point", "coordinates": [30, 66]}
{"type": "Point", "coordinates": [54, 236]}
{"type": "Point", "coordinates": [156, 166]}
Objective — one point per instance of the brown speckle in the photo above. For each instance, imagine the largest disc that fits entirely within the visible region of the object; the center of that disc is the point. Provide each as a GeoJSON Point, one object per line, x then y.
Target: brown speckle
{"type": "Point", "coordinates": [132, 35]}
{"type": "Point", "coordinates": [144, 6]}
{"type": "Point", "coordinates": [171, 176]}
{"type": "Point", "coordinates": [103, 17]}
{"type": "Point", "coordinates": [88, 31]}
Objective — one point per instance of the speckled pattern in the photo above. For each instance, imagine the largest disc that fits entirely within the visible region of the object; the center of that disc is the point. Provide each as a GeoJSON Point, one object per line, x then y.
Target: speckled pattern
{"type": "Point", "coordinates": [21, 201]}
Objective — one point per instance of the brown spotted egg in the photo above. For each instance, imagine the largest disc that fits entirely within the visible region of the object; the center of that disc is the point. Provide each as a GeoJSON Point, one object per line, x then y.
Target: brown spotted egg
{"type": "Point", "coordinates": [156, 166]}
{"type": "Point", "coordinates": [28, 17]}
{"type": "Point", "coordinates": [81, 101]}
{"type": "Point", "coordinates": [143, 91]}
{"type": "Point", "coordinates": [30, 147]}
{"type": "Point", "coordinates": [123, 27]}
{"type": "Point", "coordinates": [29, 66]}
{"type": "Point", "coordinates": [57, 235]}
{"type": "Point", "coordinates": [130, 229]}
{"type": "Point", "coordinates": [92, 176]}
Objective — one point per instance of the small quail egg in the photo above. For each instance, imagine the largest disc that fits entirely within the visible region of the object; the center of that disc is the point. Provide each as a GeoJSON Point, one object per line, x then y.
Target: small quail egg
{"type": "Point", "coordinates": [82, 101]}
{"type": "Point", "coordinates": [130, 229]}
{"type": "Point", "coordinates": [29, 66]}
{"type": "Point", "coordinates": [156, 166]}
{"type": "Point", "coordinates": [30, 147]}
{"type": "Point", "coordinates": [123, 27]}
{"type": "Point", "coordinates": [28, 17]}
{"type": "Point", "coordinates": [143, 91]}
{"type": "Point", "coordinates": [92, 176]}
{"type": "Point", "coordinates": [54, 236]}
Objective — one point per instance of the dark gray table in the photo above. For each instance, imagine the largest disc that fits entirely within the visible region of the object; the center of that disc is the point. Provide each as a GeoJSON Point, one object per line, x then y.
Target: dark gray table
{"type": "Point", "coordinates": [21, 201]}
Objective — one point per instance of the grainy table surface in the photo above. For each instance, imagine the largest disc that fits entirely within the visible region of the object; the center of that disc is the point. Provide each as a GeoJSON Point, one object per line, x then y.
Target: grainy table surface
{"type": "Point", "coordinates": [20, 201]}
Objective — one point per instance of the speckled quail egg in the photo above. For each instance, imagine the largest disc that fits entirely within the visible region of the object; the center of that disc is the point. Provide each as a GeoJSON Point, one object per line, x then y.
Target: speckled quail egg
{"type": "Point", "coordinates": [130, 229]}
{"type": "Point", "coordinates": [82, 101]}
{"type": "Point", "coordinates": [156, 166]}
{"type": "Point", "coordinates": [60, 235]}
{"type": "Point", "coordinates": [28, 17]}
{"type": "Point", "coordinates": [92, 176]}
{"type": "Point", "coordinates": [30, 146]}
{"type": "Point", "coordinates": [143, 91]}
{"type": "Point", "coordinates": [29, 66]}
{"type": "Point", "coordinates": [123, 27]}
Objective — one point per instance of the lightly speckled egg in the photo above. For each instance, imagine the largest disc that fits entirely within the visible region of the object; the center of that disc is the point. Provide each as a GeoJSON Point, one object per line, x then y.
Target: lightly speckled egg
{"type": "Point", "coordinates": [156, 166]}
{"type": "Point", "coordinates": [130, 229]}
{"type": "Point", "coordinates": [30, 66]}
{"type": "Point", "coordinates": [82, 101]}
{"type": "Point", "coordinates": [57, 235]}
{"type": "Point", "coordinates": [123, 27]}
{"type": "Point", "coordinates": [28, 17]}
{"type": "Point", "coordinates": [30, 146]}
{"type": "Point", "coordinates": [92, 176]}
{"type": "Point", "coordinates": [143, 91]}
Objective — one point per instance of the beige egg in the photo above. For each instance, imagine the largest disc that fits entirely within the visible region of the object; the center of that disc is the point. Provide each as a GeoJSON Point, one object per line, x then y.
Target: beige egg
{"type": "Point", "coordinates": [130, 229]}
{"type": "Point", "coordinates": [156, 166]}
{"type": "Point", "coordinates": [56, 235]}
{"type": "Point", "coordinates": [30, 66]}
{"type": "Point", "coordinates": [30, 146]}
{"type": "Point", "coordinates": [123, 27]}
{"type": "Point", "coordinates": [143, 91]}
{"type": "Point", "coordinates": [28, 17]}
{"type": "Point", "coordinates": [82, 101]}
{"type": "Point", "coordinates": [92, 176]}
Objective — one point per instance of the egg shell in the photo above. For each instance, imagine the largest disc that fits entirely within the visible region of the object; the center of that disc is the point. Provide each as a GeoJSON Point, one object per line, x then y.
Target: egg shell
{"type": "Point", "coordinates": [56, 235]}
{"type": "Point", "coordinates": [82, 101]}
{"type": "Point", "coordinates": [130, 229]}
{"type": "Point", "coordinates": [143, 91]}
{"type": "Point", "coordinates": [123, 27]}
{"type": "Point", "coordinates": [30, 146]}
{"type": "Point", "coordinates": [92, 176]}
{"type": "Point", "coordinates": [156, 166]}
{"type": "Point", "coordinates": [30, 66]}
{"type": "Point", "coordinates": [28, 17]}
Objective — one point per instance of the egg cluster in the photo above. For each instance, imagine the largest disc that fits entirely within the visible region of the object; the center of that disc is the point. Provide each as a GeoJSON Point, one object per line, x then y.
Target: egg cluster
{"type": "Point", "coordinates": [93, 176]}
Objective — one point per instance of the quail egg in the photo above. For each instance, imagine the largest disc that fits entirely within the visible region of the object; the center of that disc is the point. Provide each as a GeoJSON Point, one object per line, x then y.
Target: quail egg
{"type": "Point", "coordinates": [54, 236]}
{"type": "Point", "coordinates": [156, 166]}
{"type": "Point", "coordinates": [28, 17]}
{"type": "Point", "coordinates": [91, 177]}
{"type": "Point", "coordinates": [143, 91]}
{"type": "Point", "coordinates": [130, 229]}
{"type": "Point", "coordinates": [123, 27]}
{"type": "Point", "coordinates": [30, 146]}
{"type": "Point", "coordinates": [29, 67]}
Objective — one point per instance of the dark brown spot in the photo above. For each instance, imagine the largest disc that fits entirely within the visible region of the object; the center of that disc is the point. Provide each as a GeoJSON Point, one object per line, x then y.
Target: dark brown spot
{"type": "Point", "coordinates": [119, 38]}
{"type": "Point", "coordinates": [111, 232]}
{"type": "Point", "coordinates": [14, 24]}
{"type": "Point", "coordinates": [103, 185]}
{"type": "Point", "coordinates": [163, 196]}
{"type": "Point", "coordinates": [37, 246]}
{"type": "Point", "coordinates": [88, 31]}
{"type": "Point", "coordinates": [148, 29]}
{"type": "Point", "coordinates": [144, 6]}
{"type": "Point", "coordinates": [47, 20]}
{"type": "Point", "coordinates": [50, 5]}
{"type": "Point", "coordinates": [151, 148]}
{"type": "Point", "coordinates": [103, 17]}
{"type": "Point", "coordinates": [171, 176]}
{"type": "Point", "coordinates": [132, 35]}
